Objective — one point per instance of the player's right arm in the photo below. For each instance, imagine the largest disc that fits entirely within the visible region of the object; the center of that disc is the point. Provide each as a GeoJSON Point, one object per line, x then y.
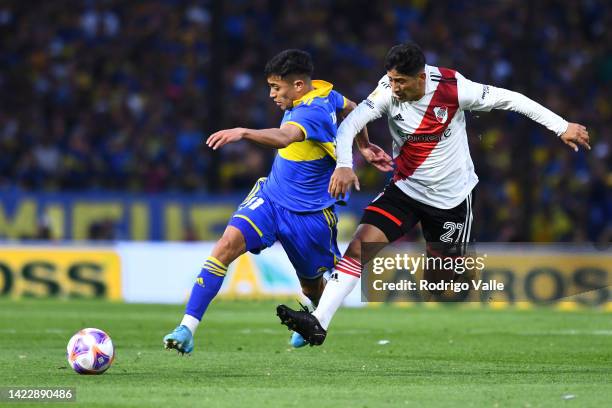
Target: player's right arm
{"type": "Point", "coordinates": [371, 109]}
{"type": "Point", "coordinates": [277, 138]}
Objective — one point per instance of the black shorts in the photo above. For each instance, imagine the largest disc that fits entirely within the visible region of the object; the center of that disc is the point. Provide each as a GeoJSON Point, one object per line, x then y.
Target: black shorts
{"type": "Point", "coordinates": [394, 213]}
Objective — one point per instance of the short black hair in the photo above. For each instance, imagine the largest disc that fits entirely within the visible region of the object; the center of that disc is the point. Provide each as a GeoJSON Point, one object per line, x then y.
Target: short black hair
{"type": "Point", "coordinates": [407, 59]}
{"type": "Point", "coordinates": [290, 62]}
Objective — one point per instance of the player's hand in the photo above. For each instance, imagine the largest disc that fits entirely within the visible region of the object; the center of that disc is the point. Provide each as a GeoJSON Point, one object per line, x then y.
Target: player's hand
{"type": "Point", "coordinates": [575, 135]}
{"type": "Point", "coordinates": [341, 182]}
{"type": "Point", "coordinates": [223, 137]}
{"type": "Point", "coordinates": [377, 157]}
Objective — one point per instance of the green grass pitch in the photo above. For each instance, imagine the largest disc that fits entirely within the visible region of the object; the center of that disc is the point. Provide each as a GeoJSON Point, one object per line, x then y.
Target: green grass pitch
{"type": "Point", "coordinates": [442, 356]}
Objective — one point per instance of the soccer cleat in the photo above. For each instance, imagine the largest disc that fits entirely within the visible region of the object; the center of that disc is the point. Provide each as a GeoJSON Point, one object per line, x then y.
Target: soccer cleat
{"type": "Point", "coordinates": [297, 340]}
{"type": "Point", "coordinates": [180, 339]}
{"type": "Point", "coordinates": [302, 322]}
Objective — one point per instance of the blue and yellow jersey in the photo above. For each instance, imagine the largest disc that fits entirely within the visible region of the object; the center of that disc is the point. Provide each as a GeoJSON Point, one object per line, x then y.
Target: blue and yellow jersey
{"type": "Point", "coordinates": [301, 171]}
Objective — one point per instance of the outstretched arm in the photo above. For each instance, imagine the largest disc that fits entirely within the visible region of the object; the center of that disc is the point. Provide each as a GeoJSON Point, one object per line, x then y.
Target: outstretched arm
{"type": "Point", "coordinates": [362, 137]}
{"type": "Point", "coordinates": [344, 177]}
{"type": "Point", "coordinates": [277, 138]}
{"type": "Point", "coordinates": [370, 109]}
{"type": "Point", "coordinates": [373, 154]}
{"type": "Point", "coordinates": [575, 135]}
{"type": "Point", "coordinates": [479, 97]}
{"type": "Point", "coordinates": [352, 125]}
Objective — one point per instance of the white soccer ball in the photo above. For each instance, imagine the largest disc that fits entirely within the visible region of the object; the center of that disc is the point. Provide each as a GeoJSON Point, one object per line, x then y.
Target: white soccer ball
{"type": "Point", "coordinates": [90, 351]}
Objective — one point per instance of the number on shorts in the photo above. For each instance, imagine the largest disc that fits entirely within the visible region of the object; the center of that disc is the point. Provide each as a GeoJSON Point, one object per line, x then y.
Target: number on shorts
{"type": "Point", "coordinates": [451, 227]}
{"type": "Point", "coordinates": [253, 203]}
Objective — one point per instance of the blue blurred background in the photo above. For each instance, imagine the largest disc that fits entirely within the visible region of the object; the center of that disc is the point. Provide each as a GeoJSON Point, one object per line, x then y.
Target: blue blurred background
{"type": "Point", "coordinates": [105, 106]}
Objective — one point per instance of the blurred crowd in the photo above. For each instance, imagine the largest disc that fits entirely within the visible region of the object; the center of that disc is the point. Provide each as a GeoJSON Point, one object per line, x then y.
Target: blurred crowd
{"type": "Point", "coordinates": [116, 95]}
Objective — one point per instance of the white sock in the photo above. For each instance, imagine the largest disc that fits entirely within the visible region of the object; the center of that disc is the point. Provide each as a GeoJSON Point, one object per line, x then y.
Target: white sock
{"type": "Point", "coordinates": [344, 278]}
{"type": "Point", "coordinates": [191, 323]}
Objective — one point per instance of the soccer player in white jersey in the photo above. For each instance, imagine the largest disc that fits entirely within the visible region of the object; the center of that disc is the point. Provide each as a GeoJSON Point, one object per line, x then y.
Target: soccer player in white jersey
{"type": "Point", "coordinates": [434, 174]}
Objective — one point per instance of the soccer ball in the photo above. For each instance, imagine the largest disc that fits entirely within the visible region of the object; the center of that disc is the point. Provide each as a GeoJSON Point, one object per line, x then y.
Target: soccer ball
{"type": "Point", "coordinates": [90, 351]}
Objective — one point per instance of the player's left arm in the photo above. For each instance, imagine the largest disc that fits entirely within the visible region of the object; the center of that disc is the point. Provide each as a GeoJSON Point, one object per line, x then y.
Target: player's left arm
{"type": "Point", "coordinates": [277, 138]}
{"type": "Point", "coordinates": [373, 154]}
{"type": "Point", "coordinates": [480, 97]}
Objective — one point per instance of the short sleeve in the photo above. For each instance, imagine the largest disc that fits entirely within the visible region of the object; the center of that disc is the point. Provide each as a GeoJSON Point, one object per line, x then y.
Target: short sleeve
{"type": "Point", "coordinates": [337, 100]}
{"type": "Point", "coordinates": [314, 121]}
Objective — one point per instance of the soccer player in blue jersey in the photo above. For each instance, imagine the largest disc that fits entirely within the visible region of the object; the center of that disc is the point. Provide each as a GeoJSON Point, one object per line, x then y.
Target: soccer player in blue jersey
{"type": "Point", "coordinates": [292, 205]}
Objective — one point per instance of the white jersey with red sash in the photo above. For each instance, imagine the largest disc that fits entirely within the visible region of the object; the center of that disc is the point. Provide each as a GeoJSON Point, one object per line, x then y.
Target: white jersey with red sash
{"type": "Point", "coordinates": [430, 146]}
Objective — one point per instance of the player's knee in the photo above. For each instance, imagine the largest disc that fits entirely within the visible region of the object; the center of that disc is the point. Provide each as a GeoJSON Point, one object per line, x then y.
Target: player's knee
{"type": "Point", "coordinates": [225, 244]}
{"type": "Point", "coordinates": [229, 247]}
{"type": "Point", "coordinates": [365, 243]}
{"type": "Point", "coordinates": [354, 248]}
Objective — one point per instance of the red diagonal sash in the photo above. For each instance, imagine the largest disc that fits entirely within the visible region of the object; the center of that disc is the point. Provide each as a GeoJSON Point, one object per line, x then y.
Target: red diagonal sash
{"type": "Point", "coordinates": [413, 154]}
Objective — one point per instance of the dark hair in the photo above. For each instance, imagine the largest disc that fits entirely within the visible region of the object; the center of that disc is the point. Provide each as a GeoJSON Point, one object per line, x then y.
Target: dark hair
{"type": "Point", "coordinates": [290, 62]}
{"type": "Point", "coordinates": [407, 59]}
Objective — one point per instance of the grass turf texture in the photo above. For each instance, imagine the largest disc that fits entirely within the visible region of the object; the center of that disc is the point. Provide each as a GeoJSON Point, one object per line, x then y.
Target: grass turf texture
{"type": "Point", "coordinates": [440, 356]}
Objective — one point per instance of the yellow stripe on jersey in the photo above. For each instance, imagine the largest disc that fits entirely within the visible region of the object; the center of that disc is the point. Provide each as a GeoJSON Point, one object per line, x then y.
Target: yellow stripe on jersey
{"type": "Point", "coordinates": [344, 102]}
{"type": "Point", "coordinates": [290, 122]}
{"type": "Point", "coordinates": [321, 89]}
{"type": "Point", "coordinates": [244, 217]}
{"type": "Point", "coordinates": [308, 150]}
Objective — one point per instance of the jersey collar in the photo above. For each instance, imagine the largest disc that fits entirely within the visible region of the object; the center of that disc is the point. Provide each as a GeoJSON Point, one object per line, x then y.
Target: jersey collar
{"type": "Point", "coordinates": [321, 89]}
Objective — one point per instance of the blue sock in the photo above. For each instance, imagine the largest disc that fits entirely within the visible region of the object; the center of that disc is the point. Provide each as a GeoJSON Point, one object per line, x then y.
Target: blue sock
{"type": "Point", "coordinates": [206, 287]}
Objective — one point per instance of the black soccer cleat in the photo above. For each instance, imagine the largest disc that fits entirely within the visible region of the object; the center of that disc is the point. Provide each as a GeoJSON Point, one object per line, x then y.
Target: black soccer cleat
{"type": "Point", "coordinates": [302, 322]}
